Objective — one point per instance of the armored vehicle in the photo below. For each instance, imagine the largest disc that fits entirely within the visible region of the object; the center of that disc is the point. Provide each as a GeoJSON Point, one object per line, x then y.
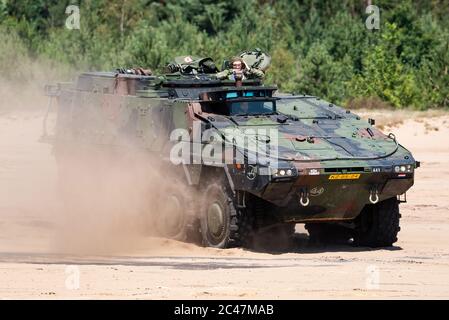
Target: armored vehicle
{"type": "Point", "coordinates": [245, 159]}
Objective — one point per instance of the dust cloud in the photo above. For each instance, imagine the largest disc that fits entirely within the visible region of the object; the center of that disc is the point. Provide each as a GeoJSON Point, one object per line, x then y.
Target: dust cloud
{"type": "Point", "coordinates": [108, 205]}
{"type": "Point", "coordinates": [77, 202]}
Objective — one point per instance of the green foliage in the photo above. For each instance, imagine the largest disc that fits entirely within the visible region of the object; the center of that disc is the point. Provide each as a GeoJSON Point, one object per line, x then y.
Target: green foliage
{"type": "Point", "coordinates": [321, 75]}
{"type": "Point", "coordinates": [14, 55]}
{"type": "Point", "coordinates": [318, 47]}
{"type": "Point", "coordinates": [434, 76]}
{"type": "Point", "coordinates": [384, 76]}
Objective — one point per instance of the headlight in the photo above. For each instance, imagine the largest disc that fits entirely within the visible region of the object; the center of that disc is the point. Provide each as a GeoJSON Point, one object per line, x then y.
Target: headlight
{"type": "Point", "coordinates": [405, 168]}
{"type": "Point", "coordinates": [281, 173]}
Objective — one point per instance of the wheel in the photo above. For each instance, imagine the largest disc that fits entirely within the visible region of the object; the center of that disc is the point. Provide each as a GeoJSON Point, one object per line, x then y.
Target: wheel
{"type": "Point", "coordinates": [378, 225]}
{"type": "Point", "coordinates": [328, 233]}
{"type": "Point", "coordinates": [218, 217]}
{"type": "Point", "coordinates": [173, 212]}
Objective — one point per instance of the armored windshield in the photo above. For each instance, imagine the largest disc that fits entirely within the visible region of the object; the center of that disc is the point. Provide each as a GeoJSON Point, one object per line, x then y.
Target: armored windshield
{"type": "Point", "coordinates": [233, 108]}
{"type": "Point", "coordinates": [251, 107]}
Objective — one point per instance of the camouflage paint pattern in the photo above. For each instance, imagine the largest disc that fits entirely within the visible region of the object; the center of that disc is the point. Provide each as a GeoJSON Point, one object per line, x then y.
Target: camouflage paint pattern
{"type": "Point", "coordinates": [338, 159]}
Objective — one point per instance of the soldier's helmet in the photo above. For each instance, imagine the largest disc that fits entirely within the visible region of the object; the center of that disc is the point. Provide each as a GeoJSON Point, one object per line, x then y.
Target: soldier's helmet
{"type": "Point", "coordinates": [253, 59]}
{"type": "Point", "coordinates": [256, 59]}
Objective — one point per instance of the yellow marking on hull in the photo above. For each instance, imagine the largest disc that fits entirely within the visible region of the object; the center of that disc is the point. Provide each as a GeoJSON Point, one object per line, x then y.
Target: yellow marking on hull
{"type": "Point", "coordinates": [348, 176]}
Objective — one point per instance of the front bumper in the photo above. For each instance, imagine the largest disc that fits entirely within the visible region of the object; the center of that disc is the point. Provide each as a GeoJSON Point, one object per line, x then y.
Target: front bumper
{"type": "Point", "coordinates": [331, 195]}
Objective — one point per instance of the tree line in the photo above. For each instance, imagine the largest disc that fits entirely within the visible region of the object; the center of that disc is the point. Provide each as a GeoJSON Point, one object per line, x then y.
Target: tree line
{"type": "Point", "coordinates": [318, 47]}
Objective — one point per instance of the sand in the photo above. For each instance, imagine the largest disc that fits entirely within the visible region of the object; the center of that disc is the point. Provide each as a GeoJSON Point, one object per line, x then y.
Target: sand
{"type": "Point", "coordinates": [32, 266]}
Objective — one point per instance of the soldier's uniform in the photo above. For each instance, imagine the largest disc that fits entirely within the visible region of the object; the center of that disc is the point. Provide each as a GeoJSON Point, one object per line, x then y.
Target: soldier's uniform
{"type": "Point", "coordinates": [248, 73]}
{"type": "Point", "coordinates": [254, 63]}
{"type": "Point", "coordinates": [201, 65]}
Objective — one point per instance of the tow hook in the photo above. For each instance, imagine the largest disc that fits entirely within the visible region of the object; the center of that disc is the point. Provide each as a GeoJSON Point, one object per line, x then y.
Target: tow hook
{"type": "Point", "coordinates": [374, 196]}
{"type": "Point", "coordinates": [304, 198]}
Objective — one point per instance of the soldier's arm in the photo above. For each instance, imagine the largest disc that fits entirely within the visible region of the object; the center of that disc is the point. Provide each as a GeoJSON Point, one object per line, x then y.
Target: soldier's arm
{"type": "Point", "coordinates": [256, 73]}
{"type": "Point", "coordinates": [223, 74]}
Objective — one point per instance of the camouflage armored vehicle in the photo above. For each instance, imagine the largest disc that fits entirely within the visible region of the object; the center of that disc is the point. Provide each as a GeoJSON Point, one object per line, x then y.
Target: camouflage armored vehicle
{"type": "Point", "coordinates": [253, 160]}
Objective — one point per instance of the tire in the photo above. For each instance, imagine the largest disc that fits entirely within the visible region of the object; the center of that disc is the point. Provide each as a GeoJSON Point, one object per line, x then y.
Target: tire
{"type": "Point", "coordinates": [328, 233]}
{"type": "Point", "coordinates": [378, 225]}
{"type": "Point", "coordinates": [173, 212]}
{"type": "Point", "coordinates": [246, 224]}
{"type": "Point", "coordinates": [218, 217]}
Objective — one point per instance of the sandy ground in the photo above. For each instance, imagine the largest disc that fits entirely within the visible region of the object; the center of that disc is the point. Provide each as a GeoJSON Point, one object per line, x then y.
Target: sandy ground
{"type": "Point", "coordinates": [150, 268]}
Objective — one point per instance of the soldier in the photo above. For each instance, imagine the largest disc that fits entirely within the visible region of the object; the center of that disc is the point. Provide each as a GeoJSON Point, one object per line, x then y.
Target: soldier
{"type": "Point", "coordinates": [192, 65]}
{"type": "Point", "coordinates": [240, 71]}
{"type": "Point", "coordinates": [243, 108]}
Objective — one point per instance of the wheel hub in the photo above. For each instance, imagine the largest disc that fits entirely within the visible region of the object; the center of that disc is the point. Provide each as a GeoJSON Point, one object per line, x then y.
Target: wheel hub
{"type": "Point", "coordinates": [215, 220]}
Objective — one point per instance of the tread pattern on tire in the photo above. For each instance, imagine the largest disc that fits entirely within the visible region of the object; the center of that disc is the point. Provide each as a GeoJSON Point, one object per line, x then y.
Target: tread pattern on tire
{"type": "Point", "coordinates": [378, 225]}
{"type": "Point", "coordinates": [234, 231]}
{"type": "Point", "coordinates": [246, 223]}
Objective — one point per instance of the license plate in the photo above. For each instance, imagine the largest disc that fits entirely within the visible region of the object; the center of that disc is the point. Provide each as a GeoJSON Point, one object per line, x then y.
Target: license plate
{"type": "Point", "coordinates": [349, 176]}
